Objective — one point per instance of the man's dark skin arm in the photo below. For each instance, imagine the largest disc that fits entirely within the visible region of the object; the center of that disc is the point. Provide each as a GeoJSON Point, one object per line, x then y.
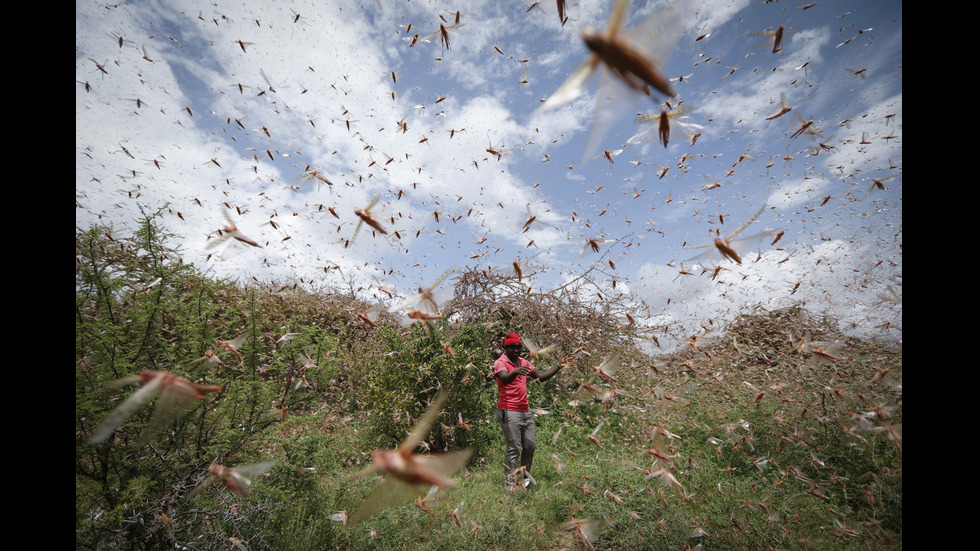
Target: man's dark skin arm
{"type": "Point", "coordinates": [507, 378]}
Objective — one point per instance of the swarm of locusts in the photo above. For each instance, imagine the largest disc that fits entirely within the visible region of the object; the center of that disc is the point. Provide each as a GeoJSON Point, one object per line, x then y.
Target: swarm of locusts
{"type": "Point", "coordinates": [215, 393]}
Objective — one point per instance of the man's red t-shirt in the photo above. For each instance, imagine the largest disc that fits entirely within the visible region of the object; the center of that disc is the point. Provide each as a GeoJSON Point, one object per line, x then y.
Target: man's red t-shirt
{"type": "Point", "coordinates": [512, 396]}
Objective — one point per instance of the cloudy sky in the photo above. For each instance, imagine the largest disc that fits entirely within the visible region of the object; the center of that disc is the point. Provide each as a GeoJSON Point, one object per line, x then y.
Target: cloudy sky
{"type": "Point", "coordinates": [206, 108]}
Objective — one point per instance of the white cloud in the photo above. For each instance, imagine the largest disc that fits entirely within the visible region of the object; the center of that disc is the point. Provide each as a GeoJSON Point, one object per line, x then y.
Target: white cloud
{"type": "Point", "coordinates": [332, 68]}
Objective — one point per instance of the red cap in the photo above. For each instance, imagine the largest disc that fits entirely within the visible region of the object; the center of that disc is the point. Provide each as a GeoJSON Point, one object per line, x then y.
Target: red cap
{"type": "Point", "coordinates": [512, 338]}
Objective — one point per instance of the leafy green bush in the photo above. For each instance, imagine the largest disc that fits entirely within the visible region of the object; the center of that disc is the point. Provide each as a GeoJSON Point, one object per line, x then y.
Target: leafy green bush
{"type": "Point", "coordinates": [410, 371]}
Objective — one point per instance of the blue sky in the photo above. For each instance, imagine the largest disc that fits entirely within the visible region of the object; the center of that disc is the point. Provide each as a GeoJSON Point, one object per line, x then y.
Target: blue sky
{"type": "Point", "coordinates": [207, 107]}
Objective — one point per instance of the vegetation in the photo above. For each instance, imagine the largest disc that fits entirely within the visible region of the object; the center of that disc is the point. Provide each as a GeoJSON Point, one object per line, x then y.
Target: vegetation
{"type": "Point", "coordinates": [754, 440]}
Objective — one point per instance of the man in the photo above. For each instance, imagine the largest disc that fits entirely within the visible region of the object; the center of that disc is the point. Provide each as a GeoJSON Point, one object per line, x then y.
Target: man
{"type": "Point", "coordinates": [513, 408]}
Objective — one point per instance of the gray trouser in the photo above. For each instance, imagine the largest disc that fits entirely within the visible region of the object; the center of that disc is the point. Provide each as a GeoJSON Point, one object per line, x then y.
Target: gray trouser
{"type": "Point", "coordinates": [518, 427]}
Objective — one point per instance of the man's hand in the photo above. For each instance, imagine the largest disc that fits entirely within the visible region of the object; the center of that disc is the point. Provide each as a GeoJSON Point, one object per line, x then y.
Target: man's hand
{"type": "Point", "coordinates": [568, 361]}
